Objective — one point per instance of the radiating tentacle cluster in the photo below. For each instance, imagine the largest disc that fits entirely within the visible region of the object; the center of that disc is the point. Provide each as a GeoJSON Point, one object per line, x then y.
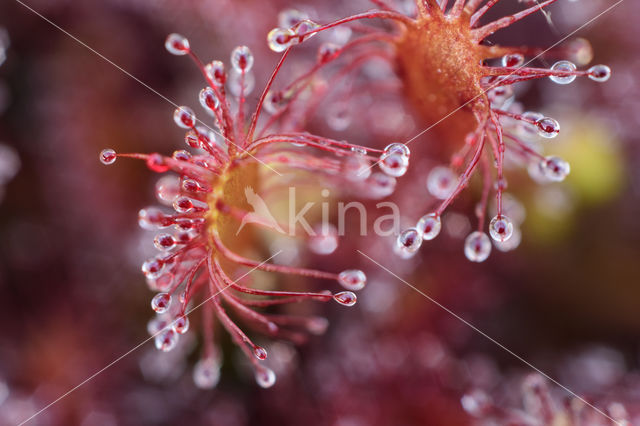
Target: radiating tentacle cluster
{"type": "Point", "coordinates": [193, 267]}
{"type": "Point", "coordinates": [445, 67]}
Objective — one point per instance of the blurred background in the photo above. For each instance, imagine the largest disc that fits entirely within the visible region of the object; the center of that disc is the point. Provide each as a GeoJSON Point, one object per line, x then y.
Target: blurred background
{"type": "Point", "coordinates": [73, 299]}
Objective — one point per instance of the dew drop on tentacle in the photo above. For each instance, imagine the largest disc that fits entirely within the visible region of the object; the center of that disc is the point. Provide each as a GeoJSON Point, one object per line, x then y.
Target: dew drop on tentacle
{"type": "Point", "coordinates": [181, 324]}
{"type": "Point", "coordinates": [477, 246]}
{"type": "Point", "coordinates": [564, 66]}
{"type": "Point", "coordinates": [166, 340]}
{"type": "Point", "coordinates": [397, 148]}
{"type": "Point", "coordinates": [325, 241]}
{"type": "Point", "coordinates": [599, 73]}
{"type": "Point", "coordinates": [290, 17]}
{"type": "Point", "coordinates": [317, 325]}
{"type": "Point", "coordinates": [352, 279]}
{"type": "Point", "coordinates": [208, 99]}
{"type": "Point", "coordinates": [548, 128]}
{"type": "Point", "coordinates": [429, 226]}
{"type": "Point", "coordinates": [409, 241]}
{"type": "Point", "coordinates": [512, 60]}
{"type": "Point", "coordinates": [108, 156]}
{"type": "Point", "coordinates": [216, 72]}
{"type": "Point", "coordinates": [184, 117]}
{"type": "Point", "coordinates": [555, 168]}
{"type": "Point", "coordinates": [279, 39]}
{"type": "Point", "coordinates": [381, 185]}
{"type": "Point", "coordinates": [441, 182]}
{"type": "Point", "coordinates": [394, 164]}
{"type": "Point", "coordinates": [156, 324]}
{"type": "Point", "coordinates": [164, 242]}
{"type": "Point", "coordinates": [260, 353]}
{"type": "Point", "coordinates": [152, 268]}
{"type": "Point", "coordinates": [242, 59]}
{"type": "Point", "coordinates": [239, 84]}
{"type": "Point", "coordinates": [265, 377]}
{"type": "Point", "coordinates": [274, 101]}
{"type": "Point", "coordinates": [167, 189]}
{"type": "Point", "coordinates": [345, 298]}
{"type": "Point", "coordinates": [303, 28]}
{"type": "Point", "coordinates": [501, 228]}
{"type": "Point", "coordinates": [206, 373]}
{"type": "Point", "coordinates": [161, 302]}
{"type": "Point", "coordinates": [177, 44]}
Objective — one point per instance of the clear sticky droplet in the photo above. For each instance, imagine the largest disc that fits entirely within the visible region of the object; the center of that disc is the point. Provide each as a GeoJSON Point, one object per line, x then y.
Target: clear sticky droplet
{"type": "Point", "coordinates": [166, 340]}
{"type": "Point", "coordinates": [184, 117]}
{"type": "Point", "coordinates": [242, 59]}
{"type": "Point", "coordinates": [441, 182]}
{"type": "Point", "coordinates": [477, 246]}
{"type": "Point", "coordinates": [429, 225]}
{"type": "Point", "coordinates": [161, 302]}
{"type": "Point", "coordinates": [501, 228]}
{"type": "Point", "coordinates": [177, 44]}
{"type": "Point", "coordinates": [108, 156]}
{"type": "Point", "coordinates": [352, 279]}
{"type": "Point", "coordinates": [564, 66]}
{"type": "Point", "coordinates": [206, 373]}
{"type": "Point", "coordinates": [265, 377]}
{"type": "Point", "coordinates": [345, 298]}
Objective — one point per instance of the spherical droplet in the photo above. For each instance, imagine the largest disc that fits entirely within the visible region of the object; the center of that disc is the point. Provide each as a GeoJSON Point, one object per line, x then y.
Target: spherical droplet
{"type": "Point", "coordinates": [317, 325]}
{"type": "Point", "coordinates": [397, 147]}
{"type": "Point", "coordinates": [164, 242]}
{"type": "Point", "coordinates": [260, 353]}
{"type": "Point", "coordinates": [279, 39]}
{"type": "Point", "coordinates": [381, 185]}
{"type": "Point", "coordinates": [600, 73]}
{"type": "Point", "coordinates": [441, 182]}
{"type": "Point", "coordinates": [345, 298]}
{"type": "Point", "coordinates": [242, 59]}
{"type": "Point", "coordinates": [181, 324]}
{"type": "Point", "coordinates": [477, 246]}
{"type": "Point", "coordinates": [429, 225]}
{"type": "Point", "coordinates": [108, 156]}
{"type": "Point", "coordinates": [510, 244]}
{"type": "Point", "coordinates": [352, 279]}
{"type": "Point", "coordinates": [184, 117]}
{"type": "Point", "coordinates": [564, 66]}
{"type": "Point", "coordinates": [152, 268]}
{"type": "Point", "coordinates": [161, 302]}
{"type": "Point", "coordinates": [208, 99]}
{"type": "Point", "coordinates": [177, 44]}
{"type": "Point", "coordinates": [167, 189]}
{"type": "Point", "coordinates": [325, 241]}
{"type": "Point", "coordinates": [206, 373]}
{"type": "Point", "coordinates": [394, 164]}
{"type": "Point", "coordinates": [166, 340]}
{"type": "Point", "coordinates": [512, 60]}
{"type": "Point", "coordinates": [409, 240]}
{"type": "Point", "coordinates": [215, 72]}
{"type": "Point", "coordinates": [501, 228]}
{"type": "Point", "coordinates": [274, 101]}
{"type": "Point", "coordinates": [239, 84]}
{"type": "Point", "coordinates": [290, 17]}
{"type": "Point", "coordinates": [548, 127]}
{"type": "Point", "coordinates": [265, 377]}
{"type": "Point", "coordinates": [555, 168]}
